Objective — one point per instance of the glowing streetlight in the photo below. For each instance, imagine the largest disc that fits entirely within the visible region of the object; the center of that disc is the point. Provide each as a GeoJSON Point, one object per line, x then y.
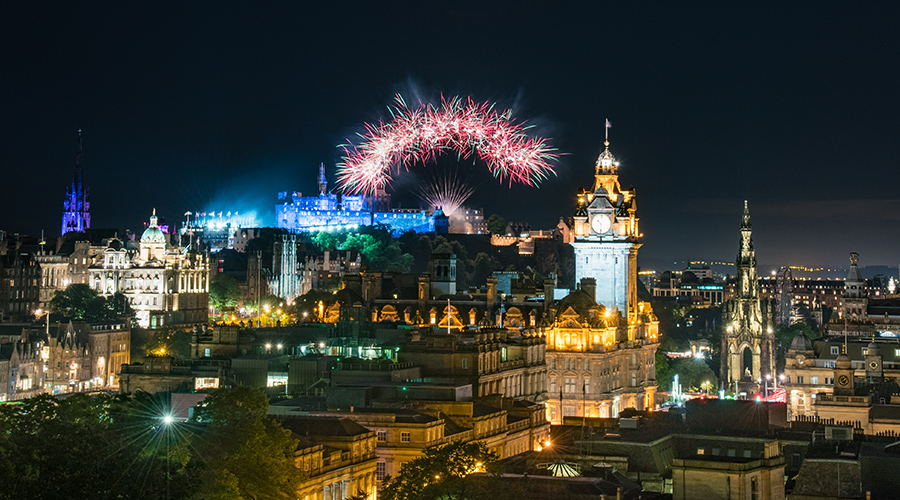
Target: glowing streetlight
{"type": "Point", "coordinates": [168, 419]}
{"type": "Point", "coordinates": [268, 346]}
{"type": "Point", "coordinates": [279, 346]}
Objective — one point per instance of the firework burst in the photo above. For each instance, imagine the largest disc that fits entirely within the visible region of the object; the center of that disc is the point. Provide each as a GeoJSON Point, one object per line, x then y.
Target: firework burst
{"type": "Point", "coordinates": [459, 125]}
{"type": "Point", "coordinates": [447, 193]}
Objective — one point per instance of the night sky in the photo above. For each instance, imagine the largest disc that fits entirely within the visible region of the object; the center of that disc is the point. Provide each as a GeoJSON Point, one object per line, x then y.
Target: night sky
{"type": "Point", "coordinates": [220, 105]}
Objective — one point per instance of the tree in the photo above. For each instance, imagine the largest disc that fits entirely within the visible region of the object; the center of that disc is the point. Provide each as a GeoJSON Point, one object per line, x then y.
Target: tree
{"type": "Point", "coordinates": [496, 224]}
{"type": "Point", "coordinates": [80, 302]}
{"type": "Point", "coordinates": [173, 341]}
{"type": "Point", "coordinates": [245, 454]}
{"type": "Point", "coordinates": [693, 374]}
{"type": "Point", "coordinates": [440, 473]}
{"type": "Point", "coordinates": [482, 268]}
{"type": "Point", "coordinates": [784, 336]}
{"type": "Point", "coordinates": [224, 292]}
{"type": "Point", "coordinates": [45, 443]}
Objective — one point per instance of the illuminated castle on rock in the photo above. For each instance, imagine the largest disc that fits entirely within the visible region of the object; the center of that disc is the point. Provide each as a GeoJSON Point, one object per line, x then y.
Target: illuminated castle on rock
{"type": "Point", "coordinates": [748, 353]}
{"type": "Point", "coordinates": [76, 208]}
{"type": "Point", "coordinates": [299, 213]}
{"type": "Point", "coordinates": [601, 340]}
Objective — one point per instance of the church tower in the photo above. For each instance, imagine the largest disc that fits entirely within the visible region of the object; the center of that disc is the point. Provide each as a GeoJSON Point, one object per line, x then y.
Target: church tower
{"type": "Point", "coordinates": [748, 341]}
{"type": "Point", "coordinates": [607, 238]}
{"type": "Point", "coordinates": [77, 206]}
{"type": "Point", "coordinates": [855, 298]}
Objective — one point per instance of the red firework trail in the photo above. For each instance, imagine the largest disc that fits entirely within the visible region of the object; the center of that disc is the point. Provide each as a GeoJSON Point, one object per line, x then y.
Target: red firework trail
{"type": "Point", "coordinates": [458, 125]}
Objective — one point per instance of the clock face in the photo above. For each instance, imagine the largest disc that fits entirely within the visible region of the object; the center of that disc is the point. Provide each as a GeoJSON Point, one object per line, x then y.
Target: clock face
{"type": "Point", "coordinates": [600, 223]}
{"type": "Point", "coordinates": [873, 365]}
{"type": "Point", "coordinates": [843, 380]}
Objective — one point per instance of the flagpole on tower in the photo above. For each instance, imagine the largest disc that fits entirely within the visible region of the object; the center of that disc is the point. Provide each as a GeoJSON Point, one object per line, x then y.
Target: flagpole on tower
{"type": "Point", "coordinates": [608, 126]}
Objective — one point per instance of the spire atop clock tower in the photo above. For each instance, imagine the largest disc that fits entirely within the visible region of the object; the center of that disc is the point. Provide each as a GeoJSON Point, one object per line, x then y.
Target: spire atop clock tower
{"type": "Point", "coordinates": [606, 170]}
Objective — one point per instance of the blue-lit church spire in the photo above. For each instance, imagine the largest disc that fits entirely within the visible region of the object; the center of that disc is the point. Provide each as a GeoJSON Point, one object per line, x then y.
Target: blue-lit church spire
{"type": "Point", "coordinates": [77, 206]}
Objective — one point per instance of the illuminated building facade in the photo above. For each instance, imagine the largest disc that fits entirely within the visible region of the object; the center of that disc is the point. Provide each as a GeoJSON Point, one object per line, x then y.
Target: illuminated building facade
{"type": "Point", "coordinates": [864, 310]}
{"type": "Point", "coordinates": [597, 364]}
{"type": "Point", "coordinates": [86, 356]}
{"type": "Point", "coordinates": [748, 352]}
{"type": "Point", "coordinates": [606, 239]}
{"type": "Point", "coordinates": [219, 230]}
{"type": "Point", "coordinates": [324, 212]}
{"type": "Point", "coordinates": [165, 284]}
{"type": "Point", "coordinates": [77, 206]}
{"type": "Point", "coordinates": [601, 340]}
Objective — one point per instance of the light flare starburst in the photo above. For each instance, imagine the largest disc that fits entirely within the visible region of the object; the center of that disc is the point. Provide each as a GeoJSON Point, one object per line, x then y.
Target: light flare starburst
{"type": "Point", "coordinates": [459, 125]}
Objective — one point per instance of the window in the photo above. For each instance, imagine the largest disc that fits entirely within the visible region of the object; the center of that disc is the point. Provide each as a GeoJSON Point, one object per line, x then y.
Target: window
{"type": "Point", "coordinates": [746, 453]}
{"type": "Point", "coordinates": [814, 380]}
{"type": "Point", "coordinates": [552, 385]}
{"type": "Point", "coordinates": [897, 353]}
{"type": "Point", "coordinates": [379, 471]}
{"type": "Point", "coordinates": [382, 436]}
{"type": "Point", "coordinates": [716, 451]}
{"type": "Point", "coordinates": [754, 489]}
{"type": "Point", "coordinates": [865, 351]}
{"type": "Point", "coordinates": [701, 451]}
{"type": "Point", "coordinates": [569, 411]}
{"type": "Point", "coordinates": [552, 363]}
{"type": "Point", "coordinates": [570, 385]}
{"type": "Point", "coordinates": [799, 379]}
{"type": "Point", "coordinates": [465, 363]}
{"type": "Point", "coordinates": [731, 452]}
{"type": "Point", "coordinates": [586, 388]}
{"type": "Point", "coordinates": [404, 437]}
{"type": "Point", "coordinates": [587, 365]}
{"type": "Point", "coordinates": [552, 413]}
{"type": "Point", "coordinates": [835, 350]}
{"type": "Point", "coordinates": [206, 352]}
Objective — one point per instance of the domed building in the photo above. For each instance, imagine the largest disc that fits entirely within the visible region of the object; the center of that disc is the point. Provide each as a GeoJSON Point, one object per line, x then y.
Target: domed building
{"type": "Point", "coordinates": [165, 284]}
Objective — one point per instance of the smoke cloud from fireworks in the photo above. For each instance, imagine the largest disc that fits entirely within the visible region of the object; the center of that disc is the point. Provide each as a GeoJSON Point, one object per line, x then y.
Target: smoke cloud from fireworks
{"type": "Point", "coordinates": [458, 125]}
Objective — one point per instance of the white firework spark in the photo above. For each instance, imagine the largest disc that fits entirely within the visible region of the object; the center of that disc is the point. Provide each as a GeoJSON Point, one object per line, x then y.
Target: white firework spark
{"type": "Point", "coordinates": [447, 193]}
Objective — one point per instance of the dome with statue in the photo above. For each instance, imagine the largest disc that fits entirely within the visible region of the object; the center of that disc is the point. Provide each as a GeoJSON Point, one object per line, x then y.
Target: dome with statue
{"type": "Point", "coordinates": [153, 234]}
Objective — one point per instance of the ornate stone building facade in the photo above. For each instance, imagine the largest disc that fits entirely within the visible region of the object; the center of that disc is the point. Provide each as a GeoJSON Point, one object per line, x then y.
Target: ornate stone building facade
{"type": "Point", "coordinates": [164, 284]}
{"type": "Point", "coordinates": [748, 354]}
{"type": "Point", "coordinates": [601, 340]}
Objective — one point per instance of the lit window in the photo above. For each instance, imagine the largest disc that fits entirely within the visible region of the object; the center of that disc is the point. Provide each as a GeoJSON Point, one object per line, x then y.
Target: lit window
{"type": "Point", "coordinates": [379, 471]}
{"type": "Point", "coordinates": [404, 437]}
{"type": "Point", "coordinates": [382, 436]}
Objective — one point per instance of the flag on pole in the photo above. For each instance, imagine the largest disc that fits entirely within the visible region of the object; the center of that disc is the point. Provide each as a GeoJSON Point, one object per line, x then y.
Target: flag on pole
{"type": "Point", "coordinates": [608, 125]}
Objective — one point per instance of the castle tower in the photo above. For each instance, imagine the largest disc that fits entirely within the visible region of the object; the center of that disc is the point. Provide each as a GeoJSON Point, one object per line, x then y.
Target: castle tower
{"type": "Point", "coordinates": [607, 238]}
{"type": "Point", "coordinates": [323, 183]}
{"type": "Point", "coordinates": [748, 342]}
{"type": "Point", "coordinates": [77, 206]}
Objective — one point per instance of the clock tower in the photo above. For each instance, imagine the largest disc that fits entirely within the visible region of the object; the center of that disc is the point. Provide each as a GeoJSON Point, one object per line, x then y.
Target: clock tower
{"type": "Point", "coordinates": [607, 238]}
